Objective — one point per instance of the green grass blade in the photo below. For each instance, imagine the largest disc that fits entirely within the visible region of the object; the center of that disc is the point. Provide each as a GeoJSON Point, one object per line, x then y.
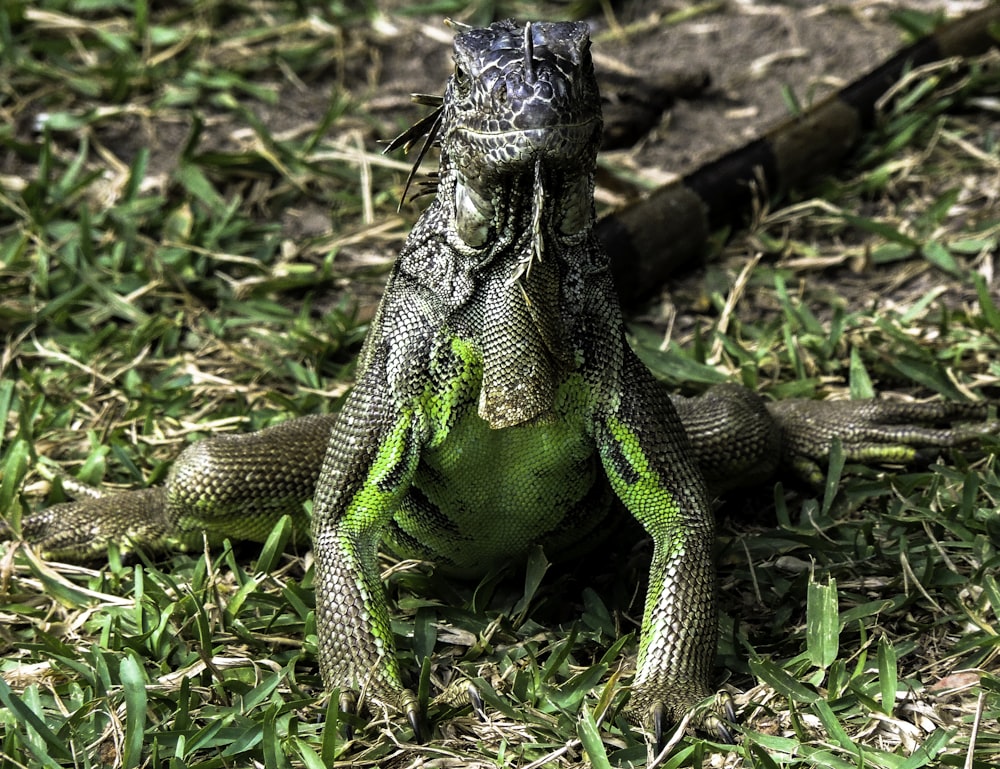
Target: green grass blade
{"type": "Point", "coordinates": [822, 623]}
{"type": "Point", "coordinates": [54, 747]}
{"type": "Point", "coordinates": [887, 676]}
{"type": "Point", "coordinates": [590, 736]}
{"type": "Point", "coordinates": [134, 685]}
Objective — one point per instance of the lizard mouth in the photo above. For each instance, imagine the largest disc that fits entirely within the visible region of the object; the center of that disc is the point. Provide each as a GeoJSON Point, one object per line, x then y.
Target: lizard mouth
{"type": "Point", "coordinates": [518, 149]}
{"type": "Point", "coordinates": [523, 96]}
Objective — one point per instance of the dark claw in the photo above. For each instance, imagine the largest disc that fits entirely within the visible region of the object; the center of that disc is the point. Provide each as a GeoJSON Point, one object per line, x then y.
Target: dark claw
{"type": "Point", "coordinates": [348, 703]}
{"type": "Point", "coordinates": [718, 727]}
{"type": "Point", "coordinates": [413, 716]}
{"type": "Point", "coordinates": [410, 705]}
{"type": "Point", "coordinates": [476, 700]}
{"type": "Point", "coordinates": [730, 708]}
{"type": "Point", "coordinates": [719, 730]}
{"type": "Point", "coordinates": [658, 716]}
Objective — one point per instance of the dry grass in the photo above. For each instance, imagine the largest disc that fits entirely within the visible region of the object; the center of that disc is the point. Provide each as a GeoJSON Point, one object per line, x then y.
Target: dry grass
{"type": "Point", "coordinates": [192, 233]}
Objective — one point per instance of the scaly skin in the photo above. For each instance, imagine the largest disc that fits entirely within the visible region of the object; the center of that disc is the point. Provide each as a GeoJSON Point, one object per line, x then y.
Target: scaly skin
{"type": "Point", "coordinates": [498, 405]}
{"type": "Point", "coordinates": [499, 336]}
{"type": "Point", "coordinates": [737, 438]}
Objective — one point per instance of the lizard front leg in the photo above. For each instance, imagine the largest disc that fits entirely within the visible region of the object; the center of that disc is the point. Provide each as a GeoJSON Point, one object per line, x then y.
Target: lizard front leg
{"type": "Point", "coordinates": [647, 459]}
{"type": "Point", "coordinates": [368, 468]}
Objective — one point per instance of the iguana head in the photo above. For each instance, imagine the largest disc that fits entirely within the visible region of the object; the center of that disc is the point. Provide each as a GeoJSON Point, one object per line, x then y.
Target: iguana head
{"type": "Point", "coordinates": [509, 236]}
{"type": "Point", "coordinates": [522, 110]}
{"type": "Point", "coordinates": [521, 93]}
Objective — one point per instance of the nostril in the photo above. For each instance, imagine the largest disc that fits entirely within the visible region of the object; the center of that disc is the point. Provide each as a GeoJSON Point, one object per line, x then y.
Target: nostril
{"type": "Point", "coordinates": [519, 90]}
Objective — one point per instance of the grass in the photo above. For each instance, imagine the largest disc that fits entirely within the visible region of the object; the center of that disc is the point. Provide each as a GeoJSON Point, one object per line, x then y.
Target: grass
{"type": "Point", "coordinates": [154, 291]}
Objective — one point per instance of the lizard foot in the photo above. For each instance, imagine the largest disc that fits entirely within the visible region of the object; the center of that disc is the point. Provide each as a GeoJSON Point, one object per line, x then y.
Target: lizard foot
{"type": "Point", "coordinates": [710, 715]}
{"type": "Point", "coordinates": [874, 431]}
{"type": "Point", "coordinates": [459, 693]}
{"type": "Point", "coordinates": [407, 703]}
{"type": "Point", "coordinates": [81, 530]}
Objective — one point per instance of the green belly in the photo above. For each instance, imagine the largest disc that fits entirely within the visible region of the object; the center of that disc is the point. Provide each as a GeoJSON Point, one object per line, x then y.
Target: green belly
{"type": "Point", "coordinates": [483, 497]}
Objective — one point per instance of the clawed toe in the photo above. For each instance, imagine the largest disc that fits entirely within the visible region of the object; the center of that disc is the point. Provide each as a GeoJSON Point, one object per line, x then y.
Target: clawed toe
{"type": "Point", "coordinates": [410, 705]}
{"type": "Point", "coordinates": [476, 700]}
{"type": "Point", "coordinates": [716, 723]}
{"type": "Point", "coordinates": [348, 704]}
{"type": "Point", "coordinates": [719, 727]}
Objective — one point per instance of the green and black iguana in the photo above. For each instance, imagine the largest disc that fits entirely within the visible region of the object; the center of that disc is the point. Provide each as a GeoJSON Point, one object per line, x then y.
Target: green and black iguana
{"type": "Point", "coordinates": [498, 405]}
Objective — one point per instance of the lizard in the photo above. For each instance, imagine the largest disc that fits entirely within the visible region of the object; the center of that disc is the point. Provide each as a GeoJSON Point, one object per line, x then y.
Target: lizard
{"type": "Point", "coordinates": [499, 335]}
